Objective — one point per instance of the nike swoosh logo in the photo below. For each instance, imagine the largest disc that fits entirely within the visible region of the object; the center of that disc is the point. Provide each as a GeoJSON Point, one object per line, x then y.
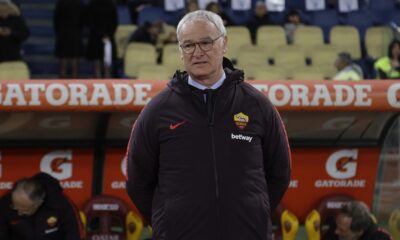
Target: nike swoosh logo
{"type": "Point", "coordinates": [176, 125]}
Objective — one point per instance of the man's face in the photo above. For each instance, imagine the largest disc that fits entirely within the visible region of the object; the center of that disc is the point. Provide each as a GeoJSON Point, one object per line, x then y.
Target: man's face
{"type": "Point", "coordinates": [202, 64]}
{"type": "Point", "coordinates": [343, 231]}
{"type": "Point", "coordinates": [23, 204]}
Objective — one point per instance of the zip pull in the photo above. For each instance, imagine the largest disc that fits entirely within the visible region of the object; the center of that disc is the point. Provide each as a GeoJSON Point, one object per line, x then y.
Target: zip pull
{"type": "Point", "coordinates": [209, 98]}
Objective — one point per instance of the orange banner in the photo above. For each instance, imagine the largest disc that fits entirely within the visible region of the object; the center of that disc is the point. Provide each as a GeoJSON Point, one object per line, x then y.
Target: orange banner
{"type": "Point", "coordinates": [72, 167]}
{"type": "Point", "coordinates": [319, 172]}
{"type": "Point", "coordinates": [132, 95]}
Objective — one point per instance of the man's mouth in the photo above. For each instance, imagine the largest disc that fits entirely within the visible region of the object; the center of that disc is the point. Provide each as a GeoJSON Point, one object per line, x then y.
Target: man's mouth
{"type": "Point", "coordinates": [198, 63]}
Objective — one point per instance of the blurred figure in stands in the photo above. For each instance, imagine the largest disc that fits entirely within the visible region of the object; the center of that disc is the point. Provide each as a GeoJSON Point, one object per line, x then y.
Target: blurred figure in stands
{"type": "Point", "coordinates": [347, 70]}
{"type": "Point", "coordinates": [293, 20]}
{"type": "Point", "coordinates": [67, 23]}
{"type": "Point", "coordinates": [260, 18]}
{"type": "Point", "coordinates": [147, 33]}
{"type": "Point", "coordinates": [216, 8]}
{"type": "Point", "coordinates": [36, 208]}
{"type": "Point", "coordinates": [355, 222]}
{"type": "Point", "coordinates": [388, 67]}
{"type": "Point", "coordinates": [191, 6]}
{"type": "Point", "coordinates": [102, 20]}
{"type": "Point", "coordinates": [13, 31]}
{"type": "Point", "coordinates": [135, 6]}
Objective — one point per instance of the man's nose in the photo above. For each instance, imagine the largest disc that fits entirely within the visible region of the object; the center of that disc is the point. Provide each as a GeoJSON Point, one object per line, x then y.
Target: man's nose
{"type": "Point", "coordinates": [198, 51]}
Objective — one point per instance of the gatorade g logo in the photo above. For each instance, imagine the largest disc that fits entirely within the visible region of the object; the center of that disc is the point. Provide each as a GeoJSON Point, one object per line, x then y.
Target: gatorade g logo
{"type": "Point", "coordinates": [58, 164]}
{"type": "Point", "coordinates": [342, 164]}
{"type": "Point", "coordinates": [124, 165]}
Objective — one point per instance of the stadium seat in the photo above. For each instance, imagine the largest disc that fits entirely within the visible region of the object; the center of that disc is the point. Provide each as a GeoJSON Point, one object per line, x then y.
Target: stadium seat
{"type": "Point", "coordinates": [289, 57]}
{"type": "Point", "coordinates": [271, 73]}
{"type": "Point", "coordinates": [252, 55]}
{"type": "Point", "coordinates": [237, 37]}
{"type": "Point", "coordinates": [136, 55]}
{"type": "Point", "coordinates": [289, 225]}
{"type": "Point", "coordinates": [121, 38]}
{"type": "Point", "coordinates": [153, 72]}
{"type": "Point", "coordinates": [321, 218]}
{"type": "Point", "coordinates": [271, 37]}
{"type": "Point", "coordinates": [123, 15]}
{"type": "Point", "coordinates": [394, 224]}
{"type": "Point", "coordinates": [14, 70]}
{"type": "Point", "coordinates": [395, 16]}
{"type": "Point", "coordinates": [385, 5]}
{"type": "Point", "coordinates": [150, 14]}
{"type": "Point", "coordinates": [110, 216]}
{"type": "Point", "coordinates": [377, 40]}
{"type": "Point", "coordinates": [171, 58]}
{"type": "Point", "coordinates": [308, 73]}
{"type": "Point", "coordinates": [239, 17]}
{"type": "Point", "coordinates": [361, 20]}
{"type": "Point", "coordinates": [346, 39]}
{"type": "Point", "coordinates": [250, 70]}
{"type": "Point", "coordinates": [308, 38]}
{"type": "Point", "coordinates": [326, 20]}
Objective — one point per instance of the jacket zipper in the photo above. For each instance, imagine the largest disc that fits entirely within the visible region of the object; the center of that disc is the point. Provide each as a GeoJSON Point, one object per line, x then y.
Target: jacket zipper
{"type": "Point", "coordinates": [210, 102]}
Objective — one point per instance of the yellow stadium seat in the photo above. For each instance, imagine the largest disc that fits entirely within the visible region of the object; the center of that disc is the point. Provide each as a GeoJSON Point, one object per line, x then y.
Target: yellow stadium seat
{"type": "Point", "coordinates": [308, 73]}
{"type": "Point", "coordinates": [324, 56]}
{"type": "Point", "coordinates": [171, 57]}
{"type": "Point", "coordinates": [252, 55]}
{"type": "Point", "coordinates": [153, 72]}
{"type": "Point", "coordinates": [290, 57]}
{"type": "Point", "coordinates": [14, 70]}
{"type": "Point", "coordinates": [307, 38]}
{"type": "Point", "coordinates": [136, 55]}
{"type": "Point", "coordinates": [272, 73]}
{"type": "Point", "coordinates": [271, 37]}
{"type": "Point", "coordinates": [377, 40]}
{"type": "Point", "coordinates": [313, 224]}
{"type": "Point", "coordinates": [394, 224]}
{"type": "Point", "coordinates": [346, 39]}
{"type": "Point", "coordinates": [237, 36]}
{"type": "Point", "coordinates": [121, 38]}
{"type": "Point", "coordinates": [290, 225]}
{"type": "Point", "coordinates": [250, 70]}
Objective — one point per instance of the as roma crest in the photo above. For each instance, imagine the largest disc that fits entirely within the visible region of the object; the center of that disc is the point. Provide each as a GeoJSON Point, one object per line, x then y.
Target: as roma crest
{"type": "Point", "coordinates": [241, 120]}
{"type": "Point", "coordinates": [51, 221]}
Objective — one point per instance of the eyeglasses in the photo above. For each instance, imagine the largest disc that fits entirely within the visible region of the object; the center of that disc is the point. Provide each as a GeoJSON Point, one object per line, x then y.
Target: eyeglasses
{"type": "Point", "coordinates": [205, 45]}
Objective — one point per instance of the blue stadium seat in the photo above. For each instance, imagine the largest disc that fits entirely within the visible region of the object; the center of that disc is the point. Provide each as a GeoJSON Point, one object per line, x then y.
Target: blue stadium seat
{"type": "Point", "coordinates": [239, 17]}
{"type": "Point", "coordinates": [298, 4]}
{"type": "Point", "coordinates": [380, 17]}
{"type": "Point", "coordinates": [361, 20]}
{"type": "Point", "coordinates": [386, 5]}
{"type": "Point", "coordinates": [395, 16]}
{"type": "Point", "coordinates": [325, 19]}
{"type": "Point", "coordinates": [149, 14]}
{"type": "Point", "coordinates": [123, 15]}
{"type": "Point", "coordinates": [277, 17]}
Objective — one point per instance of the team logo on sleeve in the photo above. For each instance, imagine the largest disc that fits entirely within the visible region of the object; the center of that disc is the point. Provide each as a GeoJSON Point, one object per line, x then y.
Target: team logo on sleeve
{"type": "Point", "coordinates": [51, 221]}
{"type": "Point", "coordinates": [241, 120]}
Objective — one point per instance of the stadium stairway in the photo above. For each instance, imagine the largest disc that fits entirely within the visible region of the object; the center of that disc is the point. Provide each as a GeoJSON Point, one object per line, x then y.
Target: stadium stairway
{"type": "Point", "coordinates": [38, 50]}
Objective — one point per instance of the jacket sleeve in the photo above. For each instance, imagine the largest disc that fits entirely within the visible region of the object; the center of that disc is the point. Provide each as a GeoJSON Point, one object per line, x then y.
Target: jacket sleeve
{"type": "Point", "coordinates": [4, 225]}
{"type": "Point", "coordinates": [142, 169]}
{"type": "Point", "coordinates": [72, 224]}
{"type": "Point", "coordinates": [277, 160]}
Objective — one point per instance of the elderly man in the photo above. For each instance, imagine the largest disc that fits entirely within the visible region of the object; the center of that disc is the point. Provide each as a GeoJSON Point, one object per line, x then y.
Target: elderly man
{"type": "Point", "coordinates": [208, 157]}
{"type": "Point", "coordinates": [354, 222]}
{"type": "Point", "coordinates": [36, 208]}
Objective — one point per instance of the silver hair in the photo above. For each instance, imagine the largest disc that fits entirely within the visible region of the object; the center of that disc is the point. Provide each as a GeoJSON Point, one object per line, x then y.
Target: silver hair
{"type": "Point", "coordinates": [202, 15]}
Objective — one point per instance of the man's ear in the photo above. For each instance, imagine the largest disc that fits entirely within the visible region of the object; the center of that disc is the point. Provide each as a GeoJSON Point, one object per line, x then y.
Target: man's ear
{"type": "Point", "coordinates": [225, 46]}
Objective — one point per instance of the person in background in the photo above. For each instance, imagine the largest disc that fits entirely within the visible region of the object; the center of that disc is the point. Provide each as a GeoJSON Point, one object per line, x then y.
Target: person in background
{"type": "Point", "coordinates": [388, 67]}
{"type": "Point", "coordinates": [13, 31]}
{"type": "Point", "coordinates": [293, 21]}
{"type": "Point", "coordinates": [191, 6]}
{"type": "Point", "coordinates": [347, 70]}
{"type": "Point", "coordinates": [217, 9]}
{"type": "Point", "coordinates": [36, 208]}
{"type": "Point", "coordinates": [147, 33]}
{"type": "Point", "coordinates": [208, 157]}
{"type": "Point", "coordinates": [355, 222]}
{"type": "Point", "coordinates": [102, 21]}
{"type": "Point", "coordinates": [67, 23]}
{"type": "Point", "coordinates": [260, 18]}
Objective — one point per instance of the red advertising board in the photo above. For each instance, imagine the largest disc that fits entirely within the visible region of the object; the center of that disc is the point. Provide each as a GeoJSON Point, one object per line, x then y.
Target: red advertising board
{"type": "Point", "coordinates": [72, 167]}
{"type": "Point", "coordinates": [318, 172]}
{"type": "Point", "coordinates": [115, 175]}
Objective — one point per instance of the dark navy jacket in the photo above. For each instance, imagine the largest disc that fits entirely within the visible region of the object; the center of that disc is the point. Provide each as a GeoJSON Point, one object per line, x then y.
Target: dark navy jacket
{"type": "Point", "coordinates": [208, 171]}
{"type": "Point", "coordinates": [56, 219]}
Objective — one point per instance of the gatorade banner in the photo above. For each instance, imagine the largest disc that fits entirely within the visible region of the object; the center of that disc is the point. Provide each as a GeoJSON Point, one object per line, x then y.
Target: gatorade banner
{"type": "Point", "coordinates": [319, 172]}
{"type": "Point", "coordinates": [128, 95]}
{"type": "Point", "coordinates": [72, 167]}
{"type": "Point", "coordinates": [115, 175]}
